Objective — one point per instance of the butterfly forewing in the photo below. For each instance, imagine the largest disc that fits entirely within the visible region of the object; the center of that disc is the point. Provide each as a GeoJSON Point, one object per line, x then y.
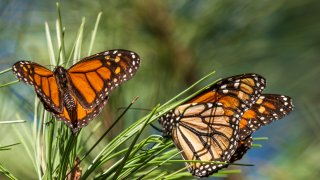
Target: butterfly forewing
{"type": "Point", "coordinates": [94, 77]}
{"type": "Point", "coordinates": [205, 132]}
{"type": "Point", "coordinates": [268, 108]}
{"type": "Point", "coordinates": [239, 91]}
{"type": "Point", "coordinates": [43, 81]}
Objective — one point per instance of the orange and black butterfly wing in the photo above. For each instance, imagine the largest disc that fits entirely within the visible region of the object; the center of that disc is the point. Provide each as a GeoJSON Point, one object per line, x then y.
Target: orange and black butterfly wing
{"type": "Point", "coordinates": [43, 81]}
{"type": "Point", "coordinates": [206, 128]}
{"type": "Point", "coordinates": [205, 132]}
{"type": "Point", "coordinates": [236, 92]}
{"type": "Point", "coordinates": [243, 146]}
{"type": "Point", "coordinates": [83, 116]}
{"type": "Point", "coordinates": [94, 77]}
{"type": "Point", "coordinates": [268, 108]}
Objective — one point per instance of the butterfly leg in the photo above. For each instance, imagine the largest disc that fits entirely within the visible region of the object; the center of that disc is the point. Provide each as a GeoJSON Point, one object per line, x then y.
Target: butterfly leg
{"type": "Point", "coordinates": [49, 122]}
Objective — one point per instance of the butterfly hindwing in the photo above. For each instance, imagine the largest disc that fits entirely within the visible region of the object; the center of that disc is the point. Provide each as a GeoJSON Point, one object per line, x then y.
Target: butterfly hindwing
{"type": "Point", "coordinates": [94, 77]}
{"type": "Point", "coordinates": [268, 108]}
{"type": "Point", "coordinates": [43, 81]}
{"type": "Point", "coordinates": [84, 116]}
{"type": "Point", "coordinates": [243, 146]}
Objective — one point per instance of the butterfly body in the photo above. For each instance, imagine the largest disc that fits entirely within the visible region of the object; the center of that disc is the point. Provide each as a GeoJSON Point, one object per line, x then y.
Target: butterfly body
{"type": "Point", "coordinates": [78, 94]}
{"type": "Point", "coordinates": [66, 93]}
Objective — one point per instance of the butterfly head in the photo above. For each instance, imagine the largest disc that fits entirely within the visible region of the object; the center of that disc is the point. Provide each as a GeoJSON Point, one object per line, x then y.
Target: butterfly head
{"type": "Point", "coordinates": [168, 122]}
{"type": "Point", "coordinates": [60, 71]}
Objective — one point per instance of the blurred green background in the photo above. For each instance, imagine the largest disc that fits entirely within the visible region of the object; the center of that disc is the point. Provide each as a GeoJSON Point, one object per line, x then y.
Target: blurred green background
{"type": "Point", "coordinates": [179, 42]}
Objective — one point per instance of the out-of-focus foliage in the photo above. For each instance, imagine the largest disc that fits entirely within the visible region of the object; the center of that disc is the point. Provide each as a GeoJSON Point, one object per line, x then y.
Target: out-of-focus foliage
{"type": "Point", "coordinates": [179, 42]}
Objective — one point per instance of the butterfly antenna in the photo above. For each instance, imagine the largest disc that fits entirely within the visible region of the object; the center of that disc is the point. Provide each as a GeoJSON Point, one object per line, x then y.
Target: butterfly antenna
{"type": "Point", "coordinates": [6, 70]}
{"type": "Point", "coordinates": [51, 66]}
{"type": "Point", "coordinates": [146, 150]}
{"type": "Point", "coordinates": [141, 109]}
{"type": "Point", "coordinates": [156, 128]}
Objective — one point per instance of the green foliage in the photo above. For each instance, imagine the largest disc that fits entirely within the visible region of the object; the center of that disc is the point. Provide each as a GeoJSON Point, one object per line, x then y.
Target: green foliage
{"type": "Point", "coordinates": [6, 172]}
{"type": "Point", "coordinates": [53, 148]}
{"type": "Point", "coordinates": [179, 42]}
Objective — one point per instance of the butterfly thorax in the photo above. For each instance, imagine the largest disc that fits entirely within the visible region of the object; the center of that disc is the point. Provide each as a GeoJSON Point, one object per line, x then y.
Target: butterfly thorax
{"type": "Point", "coordinates": [62, 78]}
{"type": "Point", "coordinates": [67, 98]}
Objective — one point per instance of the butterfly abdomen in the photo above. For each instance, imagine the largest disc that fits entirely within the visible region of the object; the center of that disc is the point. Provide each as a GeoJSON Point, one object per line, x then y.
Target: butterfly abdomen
{"type": "Point", "coordinates": [69, 103]}
{"type": "Point", "coordinates": [67, 98]}
{"type": "Point", "coordinates": [71, 107]}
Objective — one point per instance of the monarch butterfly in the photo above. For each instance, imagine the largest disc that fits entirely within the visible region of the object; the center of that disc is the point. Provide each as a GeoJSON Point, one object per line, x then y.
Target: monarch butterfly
{"type": "Point", "coordinates": [206, 128]}
{"type": "Point", "coordinates": [268, 108]}
{"type": "Point", "coordinates": [78, 94]}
